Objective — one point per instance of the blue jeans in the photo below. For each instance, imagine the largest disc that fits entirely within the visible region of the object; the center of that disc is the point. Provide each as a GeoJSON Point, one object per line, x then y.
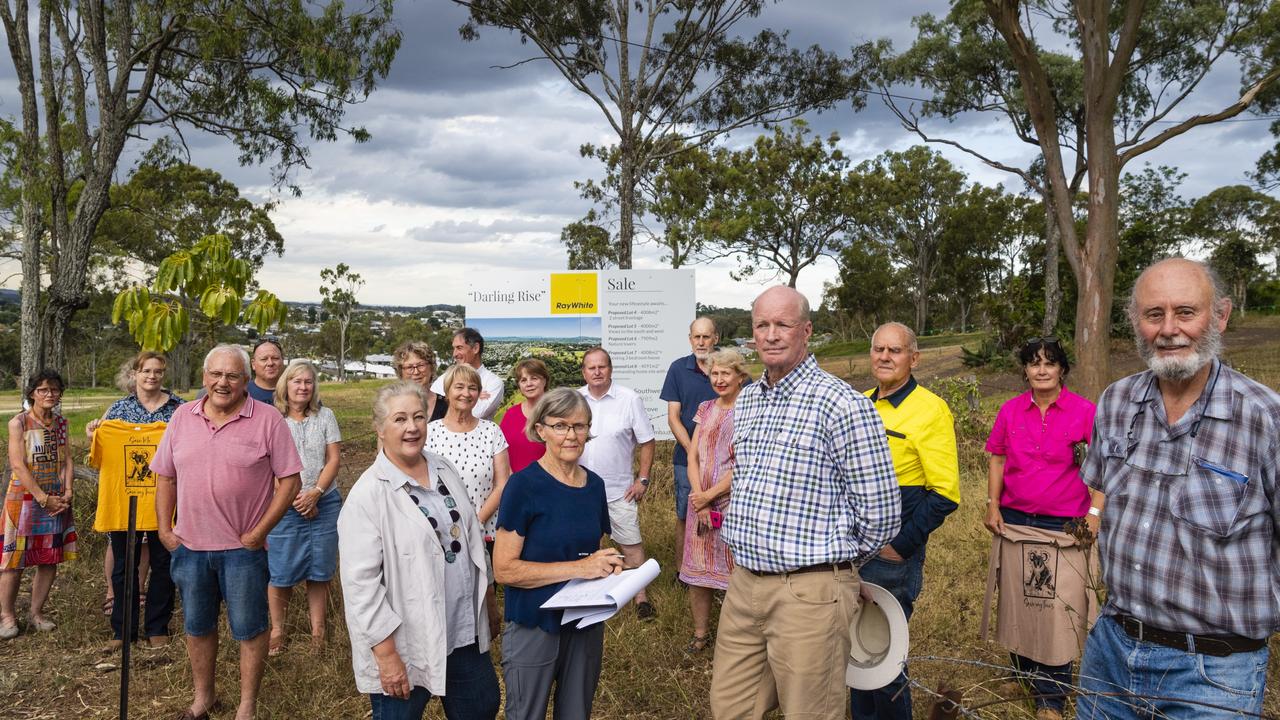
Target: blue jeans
{"type": "Point", "coordinates": [1043, 522]}
{"type": "Point", "coordinates": [681, 474]}
{"type": "Point", "coordinates": [470, 691]}
{"type": "Point", "coordinates": [207, 578]}
{"type": "Point", "coordinates": [903, 580]}
{"type": "Point", "coordinates": [1158, 681]}
{"type": "Point", "coordinates": [300, 549]}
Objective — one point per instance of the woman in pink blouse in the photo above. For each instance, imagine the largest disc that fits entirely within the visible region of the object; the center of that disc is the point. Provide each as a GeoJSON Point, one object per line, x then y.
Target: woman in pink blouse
{"type": "Point", "coordinates": [534, 380]}
{"type": "Point", "coordinates": [1033, 478]}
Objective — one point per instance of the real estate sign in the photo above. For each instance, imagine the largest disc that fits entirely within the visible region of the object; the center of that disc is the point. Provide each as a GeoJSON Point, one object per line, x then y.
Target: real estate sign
{"type": "Point", "coordinates": [641, 317]}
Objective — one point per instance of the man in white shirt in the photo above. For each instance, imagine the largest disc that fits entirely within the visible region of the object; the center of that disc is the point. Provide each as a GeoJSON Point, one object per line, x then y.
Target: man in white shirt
{"type": "Point", "coordinates": [468, 346]}
{"type": "Point", "coordinates": [619, 424]}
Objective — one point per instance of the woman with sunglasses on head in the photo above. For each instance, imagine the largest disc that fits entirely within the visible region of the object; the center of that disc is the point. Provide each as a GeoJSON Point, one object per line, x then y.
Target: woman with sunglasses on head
{"type": "Point", "coordinates": [414, 575]}
{"type": "Point", "coordinates": [1033, 481]}
{"type": "Point", "coordinates": [550, 521]}
{"type": "Point", "coordinates": [38, 529]}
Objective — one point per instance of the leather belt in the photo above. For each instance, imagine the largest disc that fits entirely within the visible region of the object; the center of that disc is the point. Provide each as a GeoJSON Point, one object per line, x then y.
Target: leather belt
{"type": "Point", "coordinates": [1215, 645]}
{"type": "Point", "coordinates": [823, 567]}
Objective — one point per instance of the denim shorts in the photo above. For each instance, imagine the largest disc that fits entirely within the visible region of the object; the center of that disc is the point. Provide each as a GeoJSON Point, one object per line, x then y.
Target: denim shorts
{"type": "Point", "coordinates": [207, 578]}
{"type": "Point", "coordinates": [300, 549]}
{"type": "Point", "coordinates": [681, 473]}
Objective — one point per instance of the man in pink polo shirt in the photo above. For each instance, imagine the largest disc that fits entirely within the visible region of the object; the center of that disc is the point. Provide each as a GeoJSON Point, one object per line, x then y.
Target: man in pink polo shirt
{"type": "Point", "coordinates": [228, 463]}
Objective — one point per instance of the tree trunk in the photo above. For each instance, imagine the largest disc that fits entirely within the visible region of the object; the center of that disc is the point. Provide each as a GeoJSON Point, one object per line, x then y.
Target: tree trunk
{"type": "Point", "coordinates": [342, 351]}
{"type": "Point", "coordinates": [626, 205]}
{"type": "Point", "coordinates": [1097, 273]}
{"type": "Point", "coordinates": [1052, 288]}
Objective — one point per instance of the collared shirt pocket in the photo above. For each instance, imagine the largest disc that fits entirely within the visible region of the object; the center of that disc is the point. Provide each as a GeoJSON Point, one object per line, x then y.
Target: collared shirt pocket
{"type": "Point", "coordinates": [245, 455]}
{"type": "Point", "coordinates": [1216, 499]}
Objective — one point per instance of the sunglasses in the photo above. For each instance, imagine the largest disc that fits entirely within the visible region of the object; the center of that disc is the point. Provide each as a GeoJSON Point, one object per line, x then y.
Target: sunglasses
{"type": "Point", "coordinates": [1046, 340]}
{"type": "Point", "coordinates": [268, 339]}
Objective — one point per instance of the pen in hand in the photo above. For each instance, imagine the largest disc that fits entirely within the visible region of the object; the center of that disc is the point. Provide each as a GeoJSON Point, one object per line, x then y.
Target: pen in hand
{"type": "Point", "coordinates": [582, 555]}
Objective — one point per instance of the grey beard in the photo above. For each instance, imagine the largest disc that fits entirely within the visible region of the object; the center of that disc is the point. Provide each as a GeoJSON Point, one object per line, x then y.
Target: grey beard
{"type": "Point", "coordinates": [1208, 347]}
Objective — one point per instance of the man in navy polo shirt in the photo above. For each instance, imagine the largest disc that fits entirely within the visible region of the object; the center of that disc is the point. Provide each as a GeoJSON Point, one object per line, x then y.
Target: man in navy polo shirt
{"type": "Point", "coordinates": [685, 388]}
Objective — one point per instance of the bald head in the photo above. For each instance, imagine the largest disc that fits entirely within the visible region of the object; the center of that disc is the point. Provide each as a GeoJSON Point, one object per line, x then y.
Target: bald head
{"type": "Point", "coordinates": [1192, 276]}
{"type": "Point", "coordinates": [703, 338]}
{"type": "Point", "coordinates": [781, 328]}
{"type": "Point", "coordinates": [782, 296]}
{"type": "Point", "coordinates": [1178, 312]}
{"type": "Point", "coordinates": [897, 333]}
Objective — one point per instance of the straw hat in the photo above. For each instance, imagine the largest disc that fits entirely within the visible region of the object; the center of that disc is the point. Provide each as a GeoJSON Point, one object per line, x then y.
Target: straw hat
{"type": "Point", "coordinates": [879, 644]}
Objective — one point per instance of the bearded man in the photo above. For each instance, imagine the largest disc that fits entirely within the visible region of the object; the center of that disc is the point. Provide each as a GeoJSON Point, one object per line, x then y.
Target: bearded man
{"type": "Point", "coordinates": [1185, 455]}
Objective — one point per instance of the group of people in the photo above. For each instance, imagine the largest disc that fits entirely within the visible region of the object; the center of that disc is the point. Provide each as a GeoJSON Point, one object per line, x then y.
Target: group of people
{"type": "Point", "coordinates": [791, 490]}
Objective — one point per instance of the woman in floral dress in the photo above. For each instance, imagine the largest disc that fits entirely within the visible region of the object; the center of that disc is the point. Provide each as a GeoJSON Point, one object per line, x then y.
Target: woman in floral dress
{"type": "Point", "coordinates": [38, 531]}
{"type": "Point", "coordinates": [707, 563]}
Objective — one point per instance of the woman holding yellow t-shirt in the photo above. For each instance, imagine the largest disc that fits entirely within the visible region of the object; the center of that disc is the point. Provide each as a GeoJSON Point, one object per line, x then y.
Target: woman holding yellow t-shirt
{"type": "Point", "coordinates": [123, 442]}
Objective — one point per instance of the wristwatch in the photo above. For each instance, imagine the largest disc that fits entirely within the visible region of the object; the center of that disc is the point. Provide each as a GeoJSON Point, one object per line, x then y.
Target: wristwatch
{"type": "Point", "coordinates": [643, 480]}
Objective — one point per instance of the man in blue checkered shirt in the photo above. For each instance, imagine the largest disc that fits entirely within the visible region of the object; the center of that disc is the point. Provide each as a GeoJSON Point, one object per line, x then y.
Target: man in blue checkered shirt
{"type": "Point", "coordinates": [1185, 455]}
{"type": "Point", "coordinates": [814, 496]}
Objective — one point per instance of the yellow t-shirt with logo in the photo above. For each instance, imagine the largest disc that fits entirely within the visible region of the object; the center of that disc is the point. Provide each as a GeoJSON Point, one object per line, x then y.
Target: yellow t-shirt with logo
{"type": "Point", "coordinates": [122, 453]}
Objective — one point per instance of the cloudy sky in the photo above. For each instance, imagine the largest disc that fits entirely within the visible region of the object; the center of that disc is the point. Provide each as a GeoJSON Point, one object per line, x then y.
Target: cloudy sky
{"type": "Point", "coordinates": [471, 168]}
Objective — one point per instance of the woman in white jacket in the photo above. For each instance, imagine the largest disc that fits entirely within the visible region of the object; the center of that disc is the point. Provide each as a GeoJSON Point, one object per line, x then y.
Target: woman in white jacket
{"type": "Point", "coordinates": [414, 575]}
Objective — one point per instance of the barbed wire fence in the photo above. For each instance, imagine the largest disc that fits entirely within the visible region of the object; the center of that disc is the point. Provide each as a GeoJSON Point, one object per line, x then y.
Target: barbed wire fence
{"type": "Point", "coordinates": [980, 701]}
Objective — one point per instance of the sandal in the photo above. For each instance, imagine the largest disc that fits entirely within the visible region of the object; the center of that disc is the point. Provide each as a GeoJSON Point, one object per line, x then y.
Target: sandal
{"type": "Point", "coordinates": [275, 646]}
{"type": "Point", "coordinates": [698, 643]}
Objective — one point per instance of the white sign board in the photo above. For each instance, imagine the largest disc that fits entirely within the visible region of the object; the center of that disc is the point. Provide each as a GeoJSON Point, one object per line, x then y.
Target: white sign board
{"type": "Point", "coordinates": [641, 317]}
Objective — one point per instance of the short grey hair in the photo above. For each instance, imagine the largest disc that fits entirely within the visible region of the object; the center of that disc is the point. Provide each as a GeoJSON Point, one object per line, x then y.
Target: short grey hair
{"type": "Point", "coordinates": [395, 390]}
{"type": "Point", "coordinates": [1218, 302]}
{"type": "Point", "coordinates": [236, 350]}
{"type": "Point", "coordinates": [560, 402]}
{"type": "Point", "coordinates": [912, 342]}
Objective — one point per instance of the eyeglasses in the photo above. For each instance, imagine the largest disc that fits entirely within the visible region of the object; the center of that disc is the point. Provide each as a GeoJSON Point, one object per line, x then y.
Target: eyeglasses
{"type": "Point", "coordinates": [48, 391]}
{"type": "Point", "coordinates": [562, 429]}
{"type": "Point", "coordinates": [415, 367]}
{"type": "Point", "coordinates": [218, 376]}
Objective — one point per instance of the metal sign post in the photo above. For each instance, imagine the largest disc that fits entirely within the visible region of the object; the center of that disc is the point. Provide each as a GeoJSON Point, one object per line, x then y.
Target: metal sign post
{"type": "Point", "coordinates": [131, 578]}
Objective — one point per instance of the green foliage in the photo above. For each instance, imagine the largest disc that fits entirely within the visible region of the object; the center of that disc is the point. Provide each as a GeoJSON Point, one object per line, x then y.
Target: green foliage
{"type": "Point", "coordinates": [964, 397]}
{"type": "Point", "coordinates": [778, 206]}
{"type": "Point", "coordinates": [589, 245]}
{"type": "Point", "coordinates": [338, 298]}
{"type": "Point", "coordinates": [166, 206]}
{"type": "Point", "coordinates": [204, 278]}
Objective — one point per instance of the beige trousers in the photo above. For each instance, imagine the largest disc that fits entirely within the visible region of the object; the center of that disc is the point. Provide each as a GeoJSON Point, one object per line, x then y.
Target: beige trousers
{"type": "Point", "coordinates": [783, 641]}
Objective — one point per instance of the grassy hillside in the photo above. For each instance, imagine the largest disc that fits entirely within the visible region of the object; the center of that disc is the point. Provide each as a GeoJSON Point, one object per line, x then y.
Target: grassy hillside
{"type": "Point", "coordinates": [646, 674]}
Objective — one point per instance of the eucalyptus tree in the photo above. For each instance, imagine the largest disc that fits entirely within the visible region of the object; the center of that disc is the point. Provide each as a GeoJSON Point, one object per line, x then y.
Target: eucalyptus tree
{"type": "Point", "coordinates": [669, 74]}
{"type": "Point", "coordinates": [1095, 84]}
{"type": "Point", "coordinates": [266, 75]}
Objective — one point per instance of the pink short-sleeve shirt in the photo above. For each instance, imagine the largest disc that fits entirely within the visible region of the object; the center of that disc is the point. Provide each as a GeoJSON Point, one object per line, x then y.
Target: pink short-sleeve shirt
{"type": "Point", "coordinates": [1040, 474]}
{"type": "Point", "coordinates": [225, 476]}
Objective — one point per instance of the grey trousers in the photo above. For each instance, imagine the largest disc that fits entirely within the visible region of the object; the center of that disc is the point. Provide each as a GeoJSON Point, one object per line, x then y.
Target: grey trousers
{"type": "Point", "coordinates": [533, 659]}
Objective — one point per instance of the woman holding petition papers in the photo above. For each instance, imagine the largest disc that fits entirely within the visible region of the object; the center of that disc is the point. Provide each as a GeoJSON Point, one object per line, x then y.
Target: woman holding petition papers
{"type": "Point", "coordinates": [121, 446]}
{"type": "Point", "coordinates": [414, 574]}
{"type": "Point", "coordinates": [550, 521]}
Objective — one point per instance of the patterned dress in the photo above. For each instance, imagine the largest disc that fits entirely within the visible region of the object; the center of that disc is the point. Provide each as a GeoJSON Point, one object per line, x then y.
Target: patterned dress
{"type": "Point", "coordinates": [707, 561]}
{"type": "Point", "coordinates": [31, 535]}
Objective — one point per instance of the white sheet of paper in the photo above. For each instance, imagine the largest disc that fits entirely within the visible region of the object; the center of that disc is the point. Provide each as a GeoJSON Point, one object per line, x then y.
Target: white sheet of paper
{"type": "Point", "coordinates": [591, 601]}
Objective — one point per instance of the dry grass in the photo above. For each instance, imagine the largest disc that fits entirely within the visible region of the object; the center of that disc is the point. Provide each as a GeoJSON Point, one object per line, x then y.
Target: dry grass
{"type": "Point", "coordinates": [646, 674]}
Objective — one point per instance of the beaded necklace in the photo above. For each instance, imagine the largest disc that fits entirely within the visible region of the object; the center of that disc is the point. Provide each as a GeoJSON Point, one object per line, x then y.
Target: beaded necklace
{"type": "Point", "coordinates": [451, 542]}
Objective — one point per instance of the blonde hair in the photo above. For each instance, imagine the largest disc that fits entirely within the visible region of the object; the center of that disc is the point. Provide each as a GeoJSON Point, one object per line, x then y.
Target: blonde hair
{"type": "Point", "coordinates": [460, 371]}
{"type": "Point", "coordinates": [729, 359]}
{"type": "Point", "coordinates": [293, 369]}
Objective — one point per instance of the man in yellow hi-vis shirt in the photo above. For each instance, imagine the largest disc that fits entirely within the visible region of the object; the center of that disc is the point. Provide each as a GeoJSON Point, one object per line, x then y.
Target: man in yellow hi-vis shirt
{"type": "Point", "coordinates": [922, 441]}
